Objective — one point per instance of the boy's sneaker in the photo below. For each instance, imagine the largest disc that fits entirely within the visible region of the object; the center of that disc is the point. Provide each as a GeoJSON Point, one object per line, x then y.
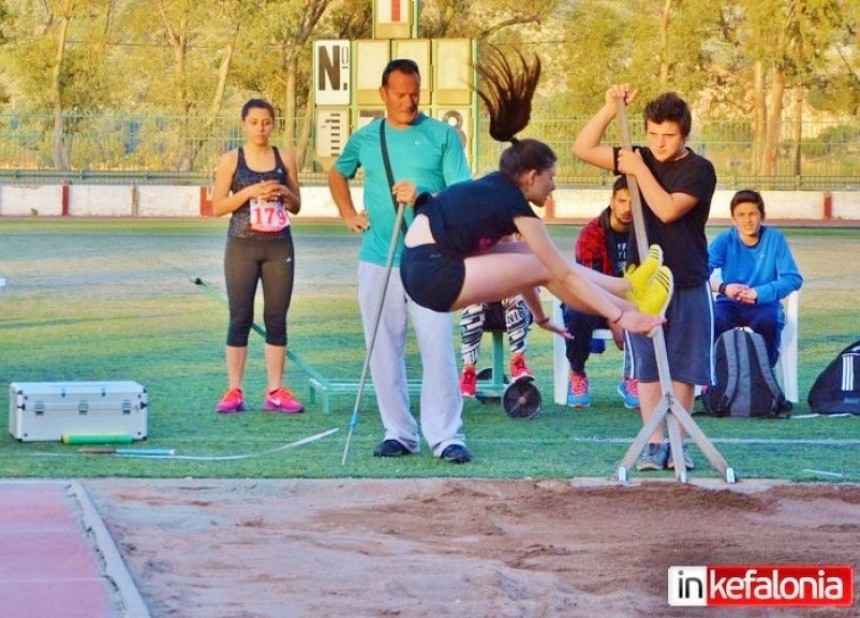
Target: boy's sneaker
{"type": "Point", "coordinates": [658, 295]}
{"type": "Point", "coordinates": [578, 392]}
{"type": "Point", "coordinates": [640, 276]}
{"type": "Point", "coordinates": [629, 391]}
{"type": "Point", "coordinates": [688, 459]}
{"type": "Point", "coordinates": [468, 382]}
{"type": "Point", "coordinates": [282, 400]}
{"type": "Point", "coordinates": [653, 457]}
{"type": "Point", "coordinates": [519, 369]}
{"type": "Point", "coordinates": [232, 401]}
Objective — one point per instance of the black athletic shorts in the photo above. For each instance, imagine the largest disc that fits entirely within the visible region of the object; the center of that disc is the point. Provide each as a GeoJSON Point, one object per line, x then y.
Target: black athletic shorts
{"type": "Point", "coordinates": [431, 278]}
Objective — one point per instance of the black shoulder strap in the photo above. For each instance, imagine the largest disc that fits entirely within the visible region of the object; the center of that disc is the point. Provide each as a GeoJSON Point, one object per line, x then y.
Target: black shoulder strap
{"type": "Point", "coordinates": [386, 160]}
{"type": "Point", "coordinates": [766, 370]}
{"type": "Point", "coordinates": [730, 345]}
{"type": "Point", "coordinates": [240, 160]}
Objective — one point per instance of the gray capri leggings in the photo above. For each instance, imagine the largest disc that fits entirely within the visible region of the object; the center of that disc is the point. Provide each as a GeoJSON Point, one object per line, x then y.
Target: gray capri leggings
{"type": "Point", "coordinates": [247, 260]}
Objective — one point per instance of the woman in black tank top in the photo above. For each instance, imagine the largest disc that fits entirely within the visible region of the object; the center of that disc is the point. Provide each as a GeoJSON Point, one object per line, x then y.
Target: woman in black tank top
{"type": "Point", "coordinates": [258, 186]}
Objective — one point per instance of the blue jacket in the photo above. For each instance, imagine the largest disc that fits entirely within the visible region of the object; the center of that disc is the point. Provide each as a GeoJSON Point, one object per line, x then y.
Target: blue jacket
{"type": "Point", "coordinates": [768, 267]}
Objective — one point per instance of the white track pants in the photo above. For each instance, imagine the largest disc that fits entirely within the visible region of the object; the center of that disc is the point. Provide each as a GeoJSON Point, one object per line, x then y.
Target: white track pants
{"type": "Point", "coordinates": [441, 403]}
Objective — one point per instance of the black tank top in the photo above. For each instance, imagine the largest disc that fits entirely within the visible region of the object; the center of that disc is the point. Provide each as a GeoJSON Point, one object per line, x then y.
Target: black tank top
{"type": "Point", "coordinates": [240, 221]}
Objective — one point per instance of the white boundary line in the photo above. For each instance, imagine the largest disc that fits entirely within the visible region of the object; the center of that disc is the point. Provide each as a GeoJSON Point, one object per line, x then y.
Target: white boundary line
{"type": "Point", "coordinates": [115, 569]}
{"type": "Point", "coordinates": [825, 442]}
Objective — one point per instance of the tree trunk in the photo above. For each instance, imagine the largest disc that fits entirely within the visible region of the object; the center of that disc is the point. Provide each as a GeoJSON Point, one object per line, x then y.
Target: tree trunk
{"type": "Point", "coordinates": [664, 45]}
{"type": "Point", "coordinates": [798, 128]}
{"type": "Point", "coordinates": [305, 137]}
{"type": "Point", "coordinates": [774, 121]}
{"type": "Point", "coordinates": [180, 55]}
{"type": "Point", "coordinates": [759, 118]}
{"type": "Point", "coordinates": [291, 64]}
{"type": "Point", "coordinates": [798, 107]}
{"type": "Point", "coordinates": [60, 154]}
{"type": "Point", "coordinates": [195, 145]}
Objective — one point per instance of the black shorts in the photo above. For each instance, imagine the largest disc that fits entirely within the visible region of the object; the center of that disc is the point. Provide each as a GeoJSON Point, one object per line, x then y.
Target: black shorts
{"type": "Point", "coordinates": [431, 278]}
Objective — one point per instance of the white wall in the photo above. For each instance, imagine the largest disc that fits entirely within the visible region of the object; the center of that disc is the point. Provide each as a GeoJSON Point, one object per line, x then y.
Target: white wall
{"type": "Point", "coordinates": [317, 202]}
{"type": "Point", "coordinates": [100, 201]}
{"type": "Point", "coordinates": [19, 201]}
{"type": "Point", "coordinates": [159, 201]}
{"type": "Point", "coordinates": [846, 205]}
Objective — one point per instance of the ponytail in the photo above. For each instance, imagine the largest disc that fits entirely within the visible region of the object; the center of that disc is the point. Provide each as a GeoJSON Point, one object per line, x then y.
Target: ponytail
{"type": "Point", "coordinates": [508, 93]}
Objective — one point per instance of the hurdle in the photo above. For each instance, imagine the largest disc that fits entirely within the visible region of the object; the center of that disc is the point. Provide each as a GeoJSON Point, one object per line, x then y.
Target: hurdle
{"type": "Point", "coordinates": [668, 409]}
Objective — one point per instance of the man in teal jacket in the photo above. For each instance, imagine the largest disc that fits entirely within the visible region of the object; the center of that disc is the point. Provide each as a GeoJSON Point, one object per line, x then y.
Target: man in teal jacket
{"type": "Point", "coordinates": [428, 153]}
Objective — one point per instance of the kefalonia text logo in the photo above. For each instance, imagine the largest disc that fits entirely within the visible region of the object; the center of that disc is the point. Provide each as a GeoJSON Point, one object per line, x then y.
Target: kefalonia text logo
{"type": "Point", "coordinates": [761, 585]}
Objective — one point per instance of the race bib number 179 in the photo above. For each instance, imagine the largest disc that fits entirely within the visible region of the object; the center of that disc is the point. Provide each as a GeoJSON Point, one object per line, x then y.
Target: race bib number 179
{"type": "Point", "coordinates": [268, 216]}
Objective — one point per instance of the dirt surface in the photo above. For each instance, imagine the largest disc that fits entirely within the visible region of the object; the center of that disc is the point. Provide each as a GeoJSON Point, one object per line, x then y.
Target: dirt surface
{"type": "Point", "coordinates": [454, 548]}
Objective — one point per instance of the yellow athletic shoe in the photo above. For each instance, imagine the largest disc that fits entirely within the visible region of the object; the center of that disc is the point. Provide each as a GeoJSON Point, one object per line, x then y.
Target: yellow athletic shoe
{"type": "Point", "coordinates": [658, 294]}
{"type": "Point", "coordinates": [640, 276]}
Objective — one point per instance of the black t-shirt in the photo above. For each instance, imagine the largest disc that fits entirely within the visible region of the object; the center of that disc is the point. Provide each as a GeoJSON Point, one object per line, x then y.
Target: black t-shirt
{"type": "Point", "coordinates": [685, 246]}
{"type": "Point", "coordinates": [618, 242]}
{"type": "Point", "coordinates": [471, 216]}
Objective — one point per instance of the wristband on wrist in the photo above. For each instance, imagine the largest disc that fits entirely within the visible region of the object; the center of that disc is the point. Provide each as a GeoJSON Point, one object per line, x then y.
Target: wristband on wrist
{"type": "Point", "coordinates": [543, 322]}
{"type": "Point", "coordinates": [618, 319]}
{"type": "Point", "coordinates": [722, 288]}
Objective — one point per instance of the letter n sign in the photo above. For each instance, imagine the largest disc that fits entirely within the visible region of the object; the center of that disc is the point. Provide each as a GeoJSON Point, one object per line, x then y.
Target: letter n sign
{"type": "Point", "coordinates": [332, 70]}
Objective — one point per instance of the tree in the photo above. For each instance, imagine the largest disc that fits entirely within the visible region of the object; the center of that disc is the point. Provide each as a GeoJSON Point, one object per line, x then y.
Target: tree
{"type": "Point", "coordinates": [655, 45]}
{"type": "Point", "coordinates": [60, 69]}
{"type": "Point", "coordinates": [5, 32]}
{"type": "Point", "coordinates": [480, 19]}
{"type": "Point", "coordinates": [786, 43]}
{"type": "Point", "coordinates": [282, 72]}
{"type": "Point", "coordinates": [181, 36]}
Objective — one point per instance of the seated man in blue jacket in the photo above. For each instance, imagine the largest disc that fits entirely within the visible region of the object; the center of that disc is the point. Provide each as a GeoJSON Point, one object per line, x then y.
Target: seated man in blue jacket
{"type": "Point", "coordinates": [757, 270]}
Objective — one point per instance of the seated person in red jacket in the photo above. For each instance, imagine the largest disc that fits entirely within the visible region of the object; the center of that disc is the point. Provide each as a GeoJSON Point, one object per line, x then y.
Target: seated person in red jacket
{"type": "Point", "coordinates": [602, 246]}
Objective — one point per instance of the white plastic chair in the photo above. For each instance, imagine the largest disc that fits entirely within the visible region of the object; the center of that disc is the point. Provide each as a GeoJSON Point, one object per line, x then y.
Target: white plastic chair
{"type": "Point", "coordinates": [785, 370]}
{"type": "Point", "coordinates": [786, 365]}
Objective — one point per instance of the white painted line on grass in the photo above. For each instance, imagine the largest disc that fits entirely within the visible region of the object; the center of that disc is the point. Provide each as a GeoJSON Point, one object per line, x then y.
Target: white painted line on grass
{"type": "Point", "coordinates": [823, 472]}
{"type": "Point", "coordinates": [791, 441]}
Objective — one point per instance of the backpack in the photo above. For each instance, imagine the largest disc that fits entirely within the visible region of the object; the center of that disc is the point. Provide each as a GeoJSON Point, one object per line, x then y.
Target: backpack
{"type": "Point", "coordinates": [837, 389]}
{"type": "Point", "coordinates": [746, 386]}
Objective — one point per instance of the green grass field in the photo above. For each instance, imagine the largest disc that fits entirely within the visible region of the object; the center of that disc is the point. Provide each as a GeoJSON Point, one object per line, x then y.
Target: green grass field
{"type": "Point", "coordinates": [112, 300]}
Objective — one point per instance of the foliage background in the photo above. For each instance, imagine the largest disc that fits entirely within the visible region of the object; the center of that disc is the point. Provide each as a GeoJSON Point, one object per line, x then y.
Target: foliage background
{"type": "Point", "coordinates": [781, 71]}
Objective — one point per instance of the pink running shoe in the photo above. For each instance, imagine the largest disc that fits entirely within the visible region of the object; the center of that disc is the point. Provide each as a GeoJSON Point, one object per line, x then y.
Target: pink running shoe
{"type": "Point", "coordinates": [519, 369]}
{"type": "Point", "coordinates": [282, 400]}
{"type": "Point", "coordinates": [232, 401]}
{"type": "Point", "coordinates": [468, 382]}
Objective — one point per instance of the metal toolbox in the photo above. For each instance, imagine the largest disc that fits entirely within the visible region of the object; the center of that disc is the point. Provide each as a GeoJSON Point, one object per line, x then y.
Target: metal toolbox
{"type": "Point", "coordinates": [46, 411]}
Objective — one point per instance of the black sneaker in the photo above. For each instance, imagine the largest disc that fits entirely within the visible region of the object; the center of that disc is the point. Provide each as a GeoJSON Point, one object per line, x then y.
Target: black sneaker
{"type": "Point", "coordinates": [456, 453]}
{"type": "Point", "coordinates": [390, 448]}
{"type": "Point", "coordinates": [653, 457]}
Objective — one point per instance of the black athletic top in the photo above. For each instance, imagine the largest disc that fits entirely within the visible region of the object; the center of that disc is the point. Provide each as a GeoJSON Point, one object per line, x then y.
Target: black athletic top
{"type": "Point", "coordinates": [685, 246]}
{"type": "Point", "coordinates": [471, 216]}
{"type": "Point", "coordinates": [240, 221]}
